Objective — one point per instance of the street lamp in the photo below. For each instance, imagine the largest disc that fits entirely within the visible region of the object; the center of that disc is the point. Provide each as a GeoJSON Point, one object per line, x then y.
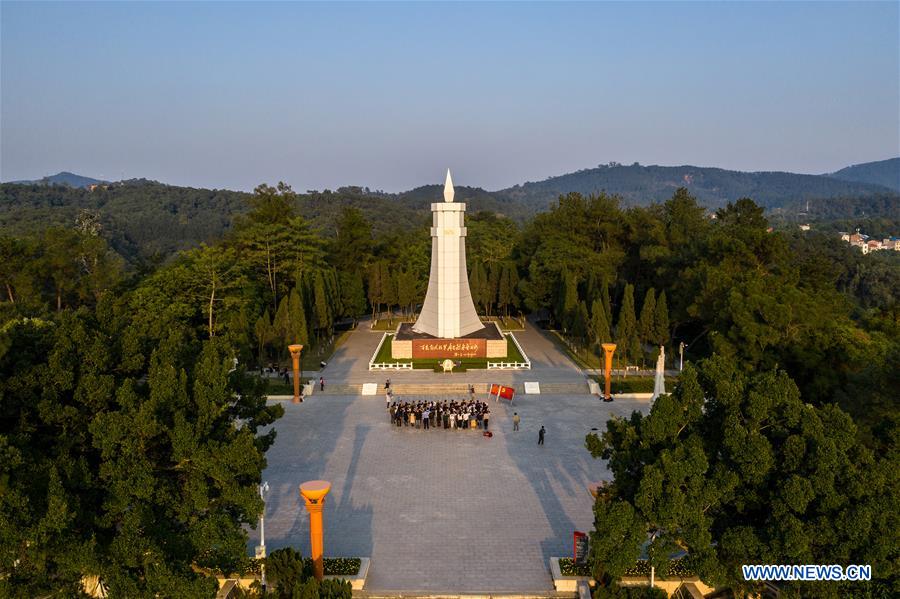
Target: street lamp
{"type": "Point", "coordinates": [681, 347]}
{"type": "Point", "coordinates": [261, 548]}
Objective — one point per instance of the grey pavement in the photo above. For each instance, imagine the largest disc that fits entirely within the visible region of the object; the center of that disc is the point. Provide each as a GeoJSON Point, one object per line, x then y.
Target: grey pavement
{"type": "Point", "coordinates": [440, 510]}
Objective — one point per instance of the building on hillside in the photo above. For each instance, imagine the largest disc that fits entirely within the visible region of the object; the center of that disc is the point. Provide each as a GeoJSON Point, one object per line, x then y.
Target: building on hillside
{"type": "Point", "coordinates": [892, 243]}
{"type": "Point", "coordinates": [804, 227]}
{"type": "Point", "coordinates": [867, 245]}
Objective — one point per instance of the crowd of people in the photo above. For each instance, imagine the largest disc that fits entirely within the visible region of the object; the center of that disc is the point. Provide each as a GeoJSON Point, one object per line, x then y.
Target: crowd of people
{"type": "Point", "coordinates": [446, 414]}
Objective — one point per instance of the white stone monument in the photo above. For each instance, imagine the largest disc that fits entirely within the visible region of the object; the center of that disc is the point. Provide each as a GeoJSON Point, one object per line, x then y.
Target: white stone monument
{"type": "Point", "coordinates": [659, 384]}
{"type": "Point", "coordinates": [448, 311]}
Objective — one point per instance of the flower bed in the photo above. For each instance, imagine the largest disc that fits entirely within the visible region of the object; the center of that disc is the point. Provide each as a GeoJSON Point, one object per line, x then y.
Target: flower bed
{"type": "Point", "coordinates": [568, 567]}
{"type": "Point", "coordinates": [340, 566]}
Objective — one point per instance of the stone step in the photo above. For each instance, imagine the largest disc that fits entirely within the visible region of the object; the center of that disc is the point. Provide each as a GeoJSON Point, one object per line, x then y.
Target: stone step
{"type": "Point", "coordinates": [339, 389]}
{"type": "Point", "coordinates": [574, 388]}
{"type": "Point", "coordinates": [371, 594]}
{"type": "Point", "coordinates": [458, 389]}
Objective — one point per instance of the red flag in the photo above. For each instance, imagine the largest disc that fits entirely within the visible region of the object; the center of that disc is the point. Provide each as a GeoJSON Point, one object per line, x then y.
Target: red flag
{"type": "Point", "coordinates": [507, 392]}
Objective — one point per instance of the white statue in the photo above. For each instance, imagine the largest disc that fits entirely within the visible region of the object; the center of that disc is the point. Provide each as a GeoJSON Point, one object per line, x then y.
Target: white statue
{"type": "Point", "coordinates": [659, 386]}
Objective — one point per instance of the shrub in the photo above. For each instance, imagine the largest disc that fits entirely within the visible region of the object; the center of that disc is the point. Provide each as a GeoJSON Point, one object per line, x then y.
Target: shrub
{"type": "Point", "coordinates": [286, 570]}
{"type": "Point", "coordinates": [327, 589]}
{"type": "Point", "coordinates": [335, 589]}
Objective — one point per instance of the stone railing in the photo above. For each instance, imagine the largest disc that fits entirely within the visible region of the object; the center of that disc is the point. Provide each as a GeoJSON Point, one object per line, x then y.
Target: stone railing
{"type": "Point", "coordinates": [521, 351]}
{"type": "Point", "coordinates": [509, 365]}
{"type": "Point", "coordinates": [390, 366]}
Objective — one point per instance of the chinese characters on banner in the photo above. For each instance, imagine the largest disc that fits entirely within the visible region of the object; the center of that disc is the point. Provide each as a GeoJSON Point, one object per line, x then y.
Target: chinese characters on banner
{"type": "Point", "coordinates": [449, 348]}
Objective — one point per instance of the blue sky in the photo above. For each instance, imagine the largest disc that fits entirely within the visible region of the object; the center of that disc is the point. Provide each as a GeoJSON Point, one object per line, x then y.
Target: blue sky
{"type": "Point", "coordinates": [387, 95]}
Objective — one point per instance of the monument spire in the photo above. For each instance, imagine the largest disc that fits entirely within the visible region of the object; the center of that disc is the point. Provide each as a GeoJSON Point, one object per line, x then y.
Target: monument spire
{"type": "Point", "coordinates": [448, 311]}
{"type": "Point", "coordinates": [448, 188]}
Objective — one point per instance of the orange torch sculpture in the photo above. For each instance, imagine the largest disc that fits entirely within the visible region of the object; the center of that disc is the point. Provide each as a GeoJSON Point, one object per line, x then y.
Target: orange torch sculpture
{"type": "Point", "coordinates": [608, 349]}
{"type": "Point", "coordinates": [313, 493]}
{"type": "Point", "coordinates": [295, 362]}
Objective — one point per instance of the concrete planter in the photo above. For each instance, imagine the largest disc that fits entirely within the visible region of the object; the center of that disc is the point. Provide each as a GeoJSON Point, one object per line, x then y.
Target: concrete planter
{"type": "Point", "coordinates": [638, 396]}
{"type": "Point", "coordinates": [357, 581]}
{"type": "Point", "coordinates": [566, 584]}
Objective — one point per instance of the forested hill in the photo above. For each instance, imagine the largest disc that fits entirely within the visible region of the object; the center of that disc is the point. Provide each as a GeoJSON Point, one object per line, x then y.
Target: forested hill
{"type": "Point", "coordinates": [713, 187]}
{"type": "Point", "coordinates": [139, 218]}
{"type": "Point", "coordinates": [143, 218]}
{"type": "Point", "coordinates": [883, 172]}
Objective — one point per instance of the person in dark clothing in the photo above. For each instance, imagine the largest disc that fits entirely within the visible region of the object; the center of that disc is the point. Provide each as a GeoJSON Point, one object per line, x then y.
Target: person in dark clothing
{"type": "Point", "coordinates": [321, 383]}
{"type": "Point", "coordinates": [541, 436]}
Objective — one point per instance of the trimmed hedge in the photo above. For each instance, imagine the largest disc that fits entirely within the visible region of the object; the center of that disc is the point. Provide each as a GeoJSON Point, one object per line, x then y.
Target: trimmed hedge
{"type": "Point", "coordinates": [680, 567]}
{"type": "Point", "coordinates": [341, 566]}
{"type": "Point", "coordinates": [568, 567]}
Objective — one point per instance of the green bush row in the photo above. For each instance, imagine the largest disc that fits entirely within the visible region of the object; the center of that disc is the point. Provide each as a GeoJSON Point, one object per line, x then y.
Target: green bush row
{"type": "Point", "coordinates": [680, 567]}
{"type": "Point", "coordinates": [568, 567]}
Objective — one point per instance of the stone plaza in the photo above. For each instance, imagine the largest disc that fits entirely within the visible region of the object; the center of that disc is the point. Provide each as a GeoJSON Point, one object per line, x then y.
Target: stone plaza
{"type": "Point", "coordinates": [441, 510]}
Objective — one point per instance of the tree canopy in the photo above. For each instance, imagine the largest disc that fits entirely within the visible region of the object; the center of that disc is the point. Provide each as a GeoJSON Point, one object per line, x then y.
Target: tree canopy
{"type": "Point", "coordinates": [735, 468]}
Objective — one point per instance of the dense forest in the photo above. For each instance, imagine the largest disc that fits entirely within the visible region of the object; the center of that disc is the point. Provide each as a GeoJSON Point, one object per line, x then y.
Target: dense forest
{"type": "Point", "coordinates": [114, 368]}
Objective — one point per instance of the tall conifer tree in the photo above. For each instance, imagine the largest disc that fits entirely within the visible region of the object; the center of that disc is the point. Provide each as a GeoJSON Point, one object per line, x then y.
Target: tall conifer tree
{"type": "Point", "coordinates": [626, 327]}
{"type": "Point", "coordinates": [647, 321]}
{"type": "Point", "coordinates": [599, 325]}
{"type": "Point", "coordinates": [661, 321]}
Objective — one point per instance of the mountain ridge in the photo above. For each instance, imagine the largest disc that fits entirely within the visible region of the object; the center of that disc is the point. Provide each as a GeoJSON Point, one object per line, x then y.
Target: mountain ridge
{"type": "Point", "coordinates": [641, 184]}
{"type": "Point", "coordinates": [63, 178]}
{"type": "Point", "coordinates": [880, 172]}
{"type": "Point", "coordinates": [714, 187]}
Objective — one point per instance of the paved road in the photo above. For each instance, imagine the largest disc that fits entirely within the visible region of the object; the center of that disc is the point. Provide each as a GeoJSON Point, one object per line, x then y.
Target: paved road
{"type": "Point", "coordinates": [439, 510]}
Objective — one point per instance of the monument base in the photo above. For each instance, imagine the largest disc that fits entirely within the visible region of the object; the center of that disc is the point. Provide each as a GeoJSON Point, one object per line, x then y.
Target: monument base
{"type": "Point", "coordinates": [487, 342]}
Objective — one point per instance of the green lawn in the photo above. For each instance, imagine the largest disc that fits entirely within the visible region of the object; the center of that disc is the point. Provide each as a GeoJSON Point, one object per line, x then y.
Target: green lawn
{"type": "Point", "coordinates": [589, 358]}
{"type": "Point", "coordinates": [635, 384]}
{"type": "Point", "coordinates": [506, 324]}
{"type": "Point", "coordinates": [277, 387]}
{"type": "Point", "coordinates": [390, 325]}
{"type": "Point", "coordinates": [310, 357]}
{"type": "Point", "coordinates": [322, 353]}
{"type": "Point", "coordinates": [512, 355]}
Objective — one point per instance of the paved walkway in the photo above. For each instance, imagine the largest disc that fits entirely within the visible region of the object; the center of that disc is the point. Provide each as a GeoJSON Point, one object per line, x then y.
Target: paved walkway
{"type": "Point", "coordinates": [440, 510]}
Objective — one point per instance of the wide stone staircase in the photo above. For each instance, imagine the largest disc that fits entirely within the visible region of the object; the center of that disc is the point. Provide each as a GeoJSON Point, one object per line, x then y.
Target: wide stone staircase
{"type": "Point", "coordinates": [576, 387]}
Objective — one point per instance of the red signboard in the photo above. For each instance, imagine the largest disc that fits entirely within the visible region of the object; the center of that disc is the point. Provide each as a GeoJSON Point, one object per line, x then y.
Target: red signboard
{"type": "Point", "coordinates": [449, 348]}
{"type": "Point", "coordinates": [579, 547]}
